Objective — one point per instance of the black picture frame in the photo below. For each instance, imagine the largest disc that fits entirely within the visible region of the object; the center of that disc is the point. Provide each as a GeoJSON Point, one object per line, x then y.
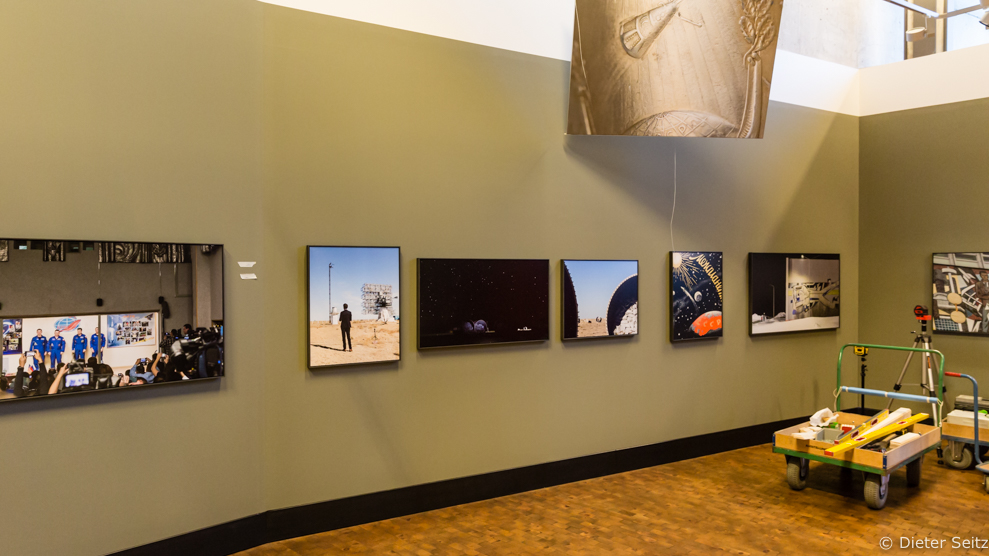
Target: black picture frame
{"type": "Point", "coordinates": [754, 306]}
{"type": "Point", "coordinates": [937, 324]}
{"type": "Point", "coordinates": [713, 334]}
{"type": "Point", "coordinates": [419, 300]}
{"type": "Point", "coordinates": [565, 304]}
{"type": "Point", "coordinates": [309, 344]}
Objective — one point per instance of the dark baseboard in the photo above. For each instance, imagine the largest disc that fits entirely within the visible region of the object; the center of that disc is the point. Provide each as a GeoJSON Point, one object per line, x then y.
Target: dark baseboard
{"type": "Point", "coordinates": [277, 525]}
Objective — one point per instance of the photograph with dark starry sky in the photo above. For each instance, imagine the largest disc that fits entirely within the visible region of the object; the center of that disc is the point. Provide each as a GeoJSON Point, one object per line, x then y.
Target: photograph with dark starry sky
{"type": "Point", "coordinates": [482, 301]}
{"type": "Point", "coordinates": [696, 296]}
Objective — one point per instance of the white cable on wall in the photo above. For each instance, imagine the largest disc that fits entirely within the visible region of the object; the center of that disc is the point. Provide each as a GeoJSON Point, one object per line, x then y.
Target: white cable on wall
{"type": "Point", "coordinates": [673, 213]}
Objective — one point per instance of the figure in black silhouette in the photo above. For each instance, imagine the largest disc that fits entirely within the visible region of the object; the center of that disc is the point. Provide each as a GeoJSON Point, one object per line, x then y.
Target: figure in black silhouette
{"type": "Point", "coordinates": [345, 318]}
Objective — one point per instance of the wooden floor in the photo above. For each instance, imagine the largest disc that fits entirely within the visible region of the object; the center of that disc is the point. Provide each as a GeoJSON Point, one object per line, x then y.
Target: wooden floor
{"type": "Point", "coordinates": [737, 503]}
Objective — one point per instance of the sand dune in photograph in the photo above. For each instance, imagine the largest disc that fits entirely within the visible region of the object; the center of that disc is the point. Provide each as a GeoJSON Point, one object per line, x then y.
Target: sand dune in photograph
{"type": "Point", "coordinates": [326, 346]}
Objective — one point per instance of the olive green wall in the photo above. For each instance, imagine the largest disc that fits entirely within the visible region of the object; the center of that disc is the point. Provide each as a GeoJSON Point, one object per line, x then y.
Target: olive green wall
{"type": "Point", "coordinates": [134, 121]}
{"type": "Point", "coordinates": [924, 190]}
{"type": "Point", "coordinates": [266, 129]}
{"type": "Point", "coordinates": [375, 136]}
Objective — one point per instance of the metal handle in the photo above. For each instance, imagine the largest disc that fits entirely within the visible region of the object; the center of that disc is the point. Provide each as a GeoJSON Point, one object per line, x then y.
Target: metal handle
{"type": "Point", "coordinates": [975, 407]}
{"type": "Point", "coordinates": [841, 354]}
{"type": "Point", "coordinates": [884, 394]}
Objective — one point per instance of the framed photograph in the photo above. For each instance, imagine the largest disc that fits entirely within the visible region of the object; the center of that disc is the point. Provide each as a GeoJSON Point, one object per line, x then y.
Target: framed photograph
{"type": "Point", "coordinates": [52, 350]}
{"type": "Point", "coordinates": [794, 292]}
{"type": "Point", "coordinates": [961, 293]}
{"type": "Point", "coordinates": [120, 332]}
{"type": "Point", "coordinates": [600, 299]}
{"type": "Point", "coordinates": [696, 295]}
{"type": "Point", "coordinates": [466, 302]}
{"type": "Point", "coordinates": [12, 331]}
{"type": "Point", "coordinates": [353, 305]}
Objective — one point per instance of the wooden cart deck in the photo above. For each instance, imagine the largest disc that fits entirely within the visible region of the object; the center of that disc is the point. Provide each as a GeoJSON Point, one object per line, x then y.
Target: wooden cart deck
{"type": "Point", "coordinates": [863, 460]}
{"type": "Point", "coordinates": [964, 433]}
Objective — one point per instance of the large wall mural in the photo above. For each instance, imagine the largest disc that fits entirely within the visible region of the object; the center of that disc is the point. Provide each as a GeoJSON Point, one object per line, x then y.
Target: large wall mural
{"type": "Point", "coordinates": [681, 68]}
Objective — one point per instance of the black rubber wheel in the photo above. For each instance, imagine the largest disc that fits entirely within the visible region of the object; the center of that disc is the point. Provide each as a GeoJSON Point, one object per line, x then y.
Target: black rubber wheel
{"type": "Point", "coordinates": [964, 460]}
{"type": "Point", "coordinates": [797, 470]}
{"type": "Point", "coordinates": [624, 297]}
{"type": "Point", "coordinates": [913, 471]}
{"type": "Point", "coordinates": [570, 320]}
{"type": "Point", "coordinates": [876, 490]}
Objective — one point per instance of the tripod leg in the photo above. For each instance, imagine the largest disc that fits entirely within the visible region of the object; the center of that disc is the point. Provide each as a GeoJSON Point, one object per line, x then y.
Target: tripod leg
{"type": "Point", "coordinates": [931, 385]}
{"type": "Point", "coordinates": [903, 373]}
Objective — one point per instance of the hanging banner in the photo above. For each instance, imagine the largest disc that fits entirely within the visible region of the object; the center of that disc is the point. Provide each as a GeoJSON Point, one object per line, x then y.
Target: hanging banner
{"type": "Point", "coordinates": [672, 68]}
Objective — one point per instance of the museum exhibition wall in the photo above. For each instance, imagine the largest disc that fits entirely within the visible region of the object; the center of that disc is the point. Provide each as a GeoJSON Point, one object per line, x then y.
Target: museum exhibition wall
{"type": "Point", "coordinates": [266, 130]}
{"type": "Point", "coordinates": [134, 121]}
{"type": "Point", "coordinates": [454, 150]}
{"type": "Point", "coordinates": [921, 195]}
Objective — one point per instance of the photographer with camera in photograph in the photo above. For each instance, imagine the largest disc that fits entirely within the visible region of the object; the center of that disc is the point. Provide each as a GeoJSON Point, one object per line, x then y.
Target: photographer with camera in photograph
{"type": "Point", "coordinates": [32, 377]}
{"type": "Point", "coordinates": [139, 374]}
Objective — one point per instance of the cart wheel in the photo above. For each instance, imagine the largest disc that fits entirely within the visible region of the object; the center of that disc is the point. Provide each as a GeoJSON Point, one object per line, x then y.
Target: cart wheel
{"type": "Point", "coordinates": [964, 456]}
{"type": "Point", "coordinates": [913, 471]}
{"type": "Point", "coordinates": [986, 482]}
{"type": "Point", "coordinates": [797, 470]}
{"type": "Point", "coordinates": [876, 489]}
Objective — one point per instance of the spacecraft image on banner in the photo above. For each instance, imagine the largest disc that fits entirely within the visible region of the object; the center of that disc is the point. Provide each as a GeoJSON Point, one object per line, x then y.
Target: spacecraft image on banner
{"type": "Point", "coordinates": [672, 68]}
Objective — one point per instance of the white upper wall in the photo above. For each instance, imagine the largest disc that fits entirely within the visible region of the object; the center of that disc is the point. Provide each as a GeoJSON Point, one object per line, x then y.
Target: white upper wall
{"type": "Point", "coordinates": [855, 33]}
{"type": "Point", "coordinates": [540, 27]}
{"type": "Point", "coordinates": [816, 65]}
{"type": "Point", "coordinates": [927, 81]}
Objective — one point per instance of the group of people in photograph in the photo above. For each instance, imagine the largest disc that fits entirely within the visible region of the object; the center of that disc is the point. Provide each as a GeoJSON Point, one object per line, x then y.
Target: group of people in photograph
{"type": "Point", "coordinates": [41, 371]}
{"type": "Point", "coordinates": [53, 347]}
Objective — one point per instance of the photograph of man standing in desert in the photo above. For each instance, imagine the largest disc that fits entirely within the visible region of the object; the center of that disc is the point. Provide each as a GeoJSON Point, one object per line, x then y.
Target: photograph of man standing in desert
{"type": "Point", "coordinates": [353, 305]}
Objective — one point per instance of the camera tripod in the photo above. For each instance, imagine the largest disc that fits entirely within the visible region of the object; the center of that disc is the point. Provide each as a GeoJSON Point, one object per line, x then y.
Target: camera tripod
{"type": "Point", "coordinates": [927, 382]}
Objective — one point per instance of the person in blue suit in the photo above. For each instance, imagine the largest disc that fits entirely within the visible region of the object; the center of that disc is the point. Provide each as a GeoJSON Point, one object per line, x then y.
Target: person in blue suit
{"type": "Point", "coordinates": [39, 345]}
{"type": "Point", "coordinates": [79, 345]}
{"type": "Point", "coordinates": [97, 342]}
{"type": "Point", "coordinates": [56, 347]}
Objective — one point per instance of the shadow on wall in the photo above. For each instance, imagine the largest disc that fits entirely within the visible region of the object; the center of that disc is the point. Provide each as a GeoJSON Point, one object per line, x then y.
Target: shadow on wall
{"type": "Point", "coordinates": [775, 180]}
{"type": "Point", "coordinates": [69, 402]}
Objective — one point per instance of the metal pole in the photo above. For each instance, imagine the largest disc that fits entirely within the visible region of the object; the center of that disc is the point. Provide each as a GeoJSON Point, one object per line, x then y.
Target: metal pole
{"type": "Point", "coordinates": [903, 373]}
{"type": "Point", "coordinates": [774, 300]}
{"type": "Point", "coordinates": [329, 293]}
{"type": "Point", "coordinates": [975, 403]}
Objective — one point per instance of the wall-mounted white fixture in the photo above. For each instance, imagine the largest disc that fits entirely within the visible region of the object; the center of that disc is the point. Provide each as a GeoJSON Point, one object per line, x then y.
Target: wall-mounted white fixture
{"type": "Point", "coordinates": [931, 14]}
{"type": "Point", "coordinates": [916, 34]}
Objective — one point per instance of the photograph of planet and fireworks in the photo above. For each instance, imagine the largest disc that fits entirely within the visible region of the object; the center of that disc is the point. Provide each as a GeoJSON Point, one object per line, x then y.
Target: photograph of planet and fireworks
{"type": "Point", "coordinates": [482, 301]}
{"type": "Point", "coordinates": [696, 295]}
{"type": "Point", "coordinates": [600, 299]}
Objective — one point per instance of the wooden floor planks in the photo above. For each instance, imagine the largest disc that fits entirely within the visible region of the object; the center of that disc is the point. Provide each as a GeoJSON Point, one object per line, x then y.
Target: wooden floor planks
{"type": "Point", "coordinates": [732, 503]}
